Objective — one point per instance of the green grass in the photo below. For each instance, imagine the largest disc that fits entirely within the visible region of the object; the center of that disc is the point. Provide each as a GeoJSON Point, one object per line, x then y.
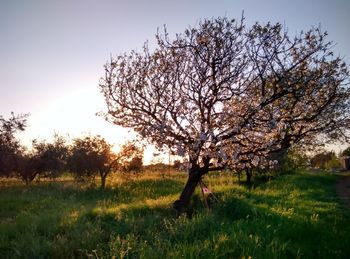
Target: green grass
{"type": "Point", "coordinates": [292, 216]}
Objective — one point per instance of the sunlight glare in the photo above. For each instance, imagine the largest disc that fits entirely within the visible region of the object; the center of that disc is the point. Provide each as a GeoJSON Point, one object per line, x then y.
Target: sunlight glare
{"type": "Point", "coordinates": [74, 115]}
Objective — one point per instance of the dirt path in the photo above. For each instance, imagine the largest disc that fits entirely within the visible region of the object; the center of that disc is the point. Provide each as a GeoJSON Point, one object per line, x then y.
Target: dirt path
{"type": "Point", "coordinates": [343, 189]}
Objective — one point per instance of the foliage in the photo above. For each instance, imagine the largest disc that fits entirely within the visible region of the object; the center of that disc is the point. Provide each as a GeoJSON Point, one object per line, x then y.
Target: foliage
{"type": "Point", "coordinates": [44, 159]}
{"type": "Point", "coordinates": [322, 159]}
{"type": "Point", "coordinates": [225, 95]}
{"type": "Point", "coordinates": [135, 165]}
{"type": "Point", "coordinates": [52, 157]}
{"type": "Point", "coordinates": [130, 157]}
{"type": "Point", "coordinates": [293, 216]}
{"type": "Point", "coordinates": [158, 167]}
{"type": "Point", "coordinates": [294, 160]}
{"type": "Point", "coordinates": [334, 164]}
{"type": "Point", "coordinates": [89, 156]}
{"type": "Point", "coordinates": [10, 148]}
{"type": "Point", "coordinates": [28, 166]}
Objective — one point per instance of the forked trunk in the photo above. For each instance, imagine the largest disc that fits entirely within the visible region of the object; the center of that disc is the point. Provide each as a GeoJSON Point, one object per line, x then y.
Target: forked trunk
{"type": "Point", "coordinates": [194, 177]}
{"type": "Point", "coordinates": [29, 176]}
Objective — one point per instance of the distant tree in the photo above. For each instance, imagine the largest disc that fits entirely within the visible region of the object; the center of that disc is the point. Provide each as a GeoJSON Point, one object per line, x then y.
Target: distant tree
{"type": "Point", "coordinates": [45, 159]}
{"type": "Point", "coordinates": [28, 167]}
{"type": "Point", "coordinates": [294, 159]}
{"type": "Point", "coordinates": [130, 157]}
{"type": "Point", "coordinates": [134, 165]}
{"type": "Point", "coordinates": [10, 148]}
{"type": "Point", "coordinates": [289, 160]}
{"type": "Point", "coordinates": [90, 156]}
{"type": "Point", "coordinates": [52, 157]}
{"type": "Point", "coordinates": [178, 165]}
{"type": "Point", "coordinates": [334, 164]}
{"type": "Point", "coordinates": [320, 160]}
{"type": "Point", "coordinates": [226, 96]}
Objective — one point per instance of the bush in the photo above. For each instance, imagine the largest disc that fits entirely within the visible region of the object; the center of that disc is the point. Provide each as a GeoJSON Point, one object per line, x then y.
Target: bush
{"type": "Point", "coordinates": [320, 160]}
{"type": "Point", "coordinates": [294, 160]}
{"type": "Point", "coordinates": [333, 164]}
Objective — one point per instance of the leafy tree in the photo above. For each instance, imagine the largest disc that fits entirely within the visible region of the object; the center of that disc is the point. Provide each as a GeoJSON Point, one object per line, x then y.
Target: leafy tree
{"type": "Point", "coordinates": [10, 148]}
{"type": "Point", "coordinates": [334, 164]}
{"type": "Point", "coordinates": [52, 157]}
{"type": "Point", "coordinates": [320, 160]}
{"type": "Point", "coordinates": [91, 155]}
{"type": "Point", "coordinates": [28, 167]}
{"type": "Point", "coordinates": [326, 161]}
{"type": "Point", "coordinates": [134, 165]}
{"type": "Point", "coordinates": [47, 159]}
{"type": "Point", "coordinates": [227, 96]}
{"type": "Point", "coordinates": [293, 160]}
{"type": "Point", "coordinates": [289, 160]}
{"type": "Point", "coordinates": [130, 157]}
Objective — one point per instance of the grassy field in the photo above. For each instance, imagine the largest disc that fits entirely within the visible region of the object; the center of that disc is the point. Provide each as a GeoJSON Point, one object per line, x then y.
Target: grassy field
{"type": "Point", "coordinates": [292, 216]}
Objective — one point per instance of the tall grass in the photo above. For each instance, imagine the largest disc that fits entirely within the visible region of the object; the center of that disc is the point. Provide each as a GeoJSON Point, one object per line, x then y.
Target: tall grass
{"type": "Point", "coordinates": [292, 216]}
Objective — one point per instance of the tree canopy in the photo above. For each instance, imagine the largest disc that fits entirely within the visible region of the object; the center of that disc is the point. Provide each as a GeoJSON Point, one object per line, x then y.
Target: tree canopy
{"type": "Point", "coordinates": [225, 95]}
{"type": "Point", "coordinates": [130, 157]}
{"type": "Point", "coordinates": [10, 147]}
{"type": "Point", "coordinates": [91, 155]}
{"type": "Point", "coordinates": [52, 156]}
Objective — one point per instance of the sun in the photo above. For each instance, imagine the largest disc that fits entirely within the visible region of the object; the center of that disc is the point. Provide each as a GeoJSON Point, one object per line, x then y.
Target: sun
{"type": "Point", "coordinates": [73, 115]}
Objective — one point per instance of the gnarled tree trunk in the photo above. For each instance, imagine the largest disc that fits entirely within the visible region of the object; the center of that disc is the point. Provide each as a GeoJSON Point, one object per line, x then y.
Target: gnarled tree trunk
{"type": "Point", "coordinates": [194, 177]}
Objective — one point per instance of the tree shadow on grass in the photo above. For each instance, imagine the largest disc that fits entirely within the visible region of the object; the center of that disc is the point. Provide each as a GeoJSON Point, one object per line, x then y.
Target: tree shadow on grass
{"type": "Point", "coordinates": [248, 223]}
{"type": "Point", "coordinates": [235, 216]}
{"type": "Point", "coordinates": [243, 223]}
{"type": "Point", "coordinates": [133, 191]}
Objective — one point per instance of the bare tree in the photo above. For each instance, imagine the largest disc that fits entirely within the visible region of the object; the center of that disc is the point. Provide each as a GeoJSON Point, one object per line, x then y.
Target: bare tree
{"type": "Point", "coordinates": [224, 95]}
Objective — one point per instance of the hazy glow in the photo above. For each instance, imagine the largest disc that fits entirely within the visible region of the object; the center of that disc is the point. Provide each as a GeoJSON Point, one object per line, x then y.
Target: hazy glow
{"type": "Point", "coordinates": [71, 113]}
{"type": "Point", "coordinates": [74, 115]}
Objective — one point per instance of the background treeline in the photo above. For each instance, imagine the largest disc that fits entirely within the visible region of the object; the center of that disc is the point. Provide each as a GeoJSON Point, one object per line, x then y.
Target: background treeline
{"type": "Point", "coordinates": [85, 157]}
{"type": "Point", "coordinates": [88, 157]}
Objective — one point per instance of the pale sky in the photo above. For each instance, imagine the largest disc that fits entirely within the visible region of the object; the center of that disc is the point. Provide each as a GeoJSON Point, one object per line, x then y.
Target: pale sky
{"type": "Point", "coordinates": [52, 52]}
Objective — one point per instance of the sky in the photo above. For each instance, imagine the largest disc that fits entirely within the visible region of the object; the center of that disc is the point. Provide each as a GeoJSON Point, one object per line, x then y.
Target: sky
{"type": "Point", "coordinates": [52, 52]}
